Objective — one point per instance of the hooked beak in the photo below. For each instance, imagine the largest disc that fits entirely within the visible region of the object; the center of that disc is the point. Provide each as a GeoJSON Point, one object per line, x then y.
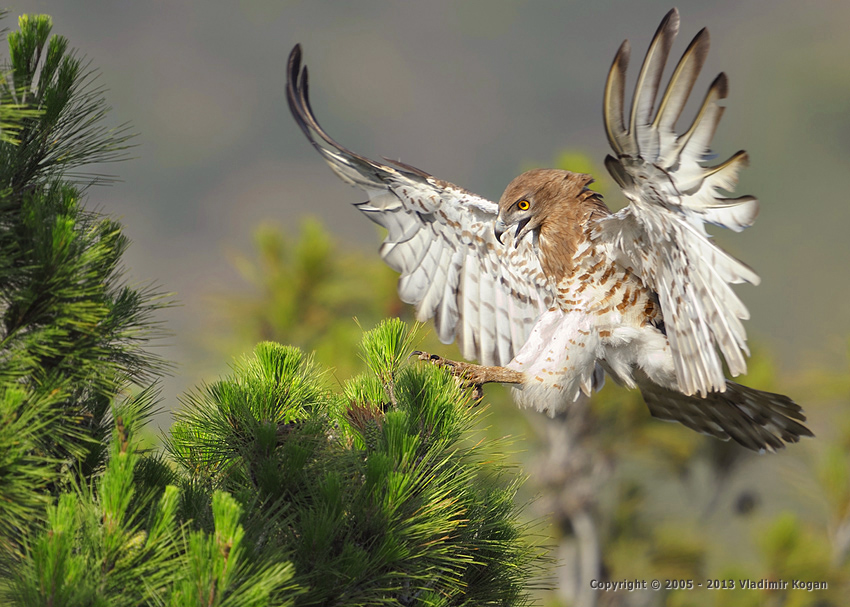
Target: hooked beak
{"type": "Point", "coordinates": [521, 230]}
{"type": "Point", "coordinates": [499, 229]}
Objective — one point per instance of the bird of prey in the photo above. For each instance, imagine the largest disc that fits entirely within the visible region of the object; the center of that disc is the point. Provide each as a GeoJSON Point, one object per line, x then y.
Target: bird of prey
{"type": "Point", "coordinates": [549, 290]}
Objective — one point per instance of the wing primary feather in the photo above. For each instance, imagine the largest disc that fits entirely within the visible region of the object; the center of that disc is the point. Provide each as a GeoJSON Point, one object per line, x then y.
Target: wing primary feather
{"type": "Point", "coordinates": [612, 105]}
{"type": "Point", "coordinates": [718, 90]}
{"type": "Point", "coordinates": [471, 342]}
{"type": "Point", "coordinates": [735, 214]}
{"type": "Point", "coordinates": [682, 82]}
{"type": "Point", "coordinates": [723, 175]}
{"type": "Point", "coordinates": [724, 334]}
{"type": "Point", "coordinates": [619, 173]}
{"type": "Point", "coordinates": [739, 160]}
{"type": "Point", "coordinates": [293, 95]}
{"type": "Point", "coordinates": [651, 71]}
{"type": "Point", "coordinates": [298, 98]}
{"type": "Point", "coordinates": [742, 271]}
{"type": "Point", "coordinates": [486, 319]}
{"type": "Point", "coordinates": [408, 168]}
{"type": "Point", "coordinates": [699, 363]}
{"type": "Point", "coordinates": [304, 98]}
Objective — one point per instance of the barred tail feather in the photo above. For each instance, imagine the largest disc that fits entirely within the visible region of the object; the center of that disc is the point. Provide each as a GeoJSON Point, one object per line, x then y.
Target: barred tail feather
{"type": "Point", "coordinates": [757, 420]}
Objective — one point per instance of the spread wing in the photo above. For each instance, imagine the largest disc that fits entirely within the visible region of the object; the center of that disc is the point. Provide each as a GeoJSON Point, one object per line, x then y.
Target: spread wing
{"type": "Point", "coordinates": [441, 239]}
{"type": "Point", "coordinates": [661, 233]}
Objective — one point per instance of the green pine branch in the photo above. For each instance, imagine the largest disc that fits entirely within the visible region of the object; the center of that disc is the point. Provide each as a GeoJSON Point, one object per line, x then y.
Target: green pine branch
{"type": "Point", "coordinates": [108, 545]}
{"type": "Point", "coordinates": [379, 495]}
{"type": "Point", "coordinates": [72, 332]}
{"type": "Point", "coordinates": [46, 77]}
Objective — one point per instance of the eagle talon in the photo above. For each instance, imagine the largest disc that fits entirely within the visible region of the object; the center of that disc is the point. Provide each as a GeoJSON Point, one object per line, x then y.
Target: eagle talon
{"type": "Point", "coordinates": [433, 358]}
{"type": "Point", "coordinates": [469, 376]}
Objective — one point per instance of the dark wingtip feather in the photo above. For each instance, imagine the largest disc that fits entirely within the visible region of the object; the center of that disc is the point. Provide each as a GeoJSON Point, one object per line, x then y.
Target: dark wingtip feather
{"type": "Point", "coordinates": [670, 22]}
{"type": "Point", "coordinates": [682, 81]}
{"type": "Point", "coordinates": [621, 59]}
{"type": "Point", "coordinates": [673, 13]}
{"type": "Point", "coordinates": [292, 93]}
{"type": "Point", "coordinates": [669, 26]}
{"type": "Point", "coordinates": [292, 71]}
{"type": "Point", "coordinates": [703, 38]}
{"type": "Point", "coordinates": [721, 85]}
{"type": "Point", "coordinates": [649, 78]}
{"type": "Point", "coordinates": [295, 55]}
{"type": "Point", "coordinates": [618, 173]}
{"type": "Point", "coordinates": [304, 88]}
{"type": "Point", "coordinates": [613, 102]}
{"type": "Point", "coordinates": [298, 98]}
{"type": "Point", "coordinates": [698, 49]}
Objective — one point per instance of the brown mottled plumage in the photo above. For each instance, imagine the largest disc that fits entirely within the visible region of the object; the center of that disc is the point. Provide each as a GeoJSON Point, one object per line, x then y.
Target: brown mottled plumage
{"type": "Point", "coordinates": [549, 290]}
{"type": "Point", "coordinates": [561, 206]}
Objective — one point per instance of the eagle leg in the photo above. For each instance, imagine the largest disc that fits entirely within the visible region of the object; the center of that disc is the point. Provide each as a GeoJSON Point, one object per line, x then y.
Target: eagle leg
{"type": "Point", "coordinates": [472, 375]}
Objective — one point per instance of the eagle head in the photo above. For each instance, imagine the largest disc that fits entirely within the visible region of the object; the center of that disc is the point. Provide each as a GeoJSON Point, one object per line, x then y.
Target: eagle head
{"type": "Point", "coordinates": [537, 196]}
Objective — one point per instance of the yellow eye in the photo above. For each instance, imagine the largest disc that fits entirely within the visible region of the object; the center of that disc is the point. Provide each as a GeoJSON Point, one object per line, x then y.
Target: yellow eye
{"type": "Point", "coordinates": [523, 205]}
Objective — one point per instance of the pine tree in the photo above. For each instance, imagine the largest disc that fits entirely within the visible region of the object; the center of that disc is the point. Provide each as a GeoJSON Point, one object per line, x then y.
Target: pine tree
{"type": "Point", "coordinates": [378, 495]}
{"type": "Point", "coordinates": [72, 332]}
{"type": "Point", "coordinates": [277, 490]}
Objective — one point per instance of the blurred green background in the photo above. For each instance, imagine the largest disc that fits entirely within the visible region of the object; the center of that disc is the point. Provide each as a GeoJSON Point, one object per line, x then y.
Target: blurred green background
{"type": "Point", "coordinates": [474, 92]}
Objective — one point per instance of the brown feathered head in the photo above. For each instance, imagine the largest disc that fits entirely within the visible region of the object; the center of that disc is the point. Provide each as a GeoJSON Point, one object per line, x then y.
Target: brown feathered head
{"type": "Point", "coordinates": [536, 196]}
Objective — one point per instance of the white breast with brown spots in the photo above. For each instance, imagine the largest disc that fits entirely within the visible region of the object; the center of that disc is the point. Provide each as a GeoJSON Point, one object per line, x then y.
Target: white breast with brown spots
{"type": "Point", "coordinates": [603, 319]}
